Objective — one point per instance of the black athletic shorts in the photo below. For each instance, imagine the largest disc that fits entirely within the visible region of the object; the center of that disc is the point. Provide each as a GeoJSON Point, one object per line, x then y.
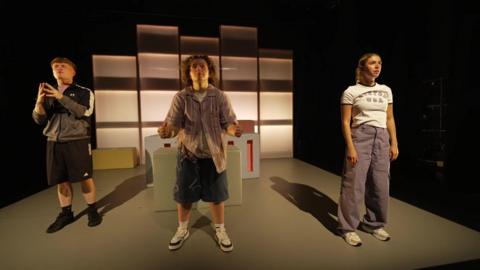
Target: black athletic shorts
{"type": "Point", "coordinates": [69, 161]}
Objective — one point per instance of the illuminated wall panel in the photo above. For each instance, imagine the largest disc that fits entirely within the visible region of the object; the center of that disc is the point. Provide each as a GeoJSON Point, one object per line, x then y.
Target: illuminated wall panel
{"type": "Point", "coordinates": [116, 106]}
{"type": "Point", "coordinates": [118, 137]}
{"type": "Point", "coordinates": [276, 106]}
{"type": "Point", "coordinates": [116, 101]}
{"type": "Point", "coordinates": [114, 66]}
{"type": "Point", "coordinates": [155, 104]}
{"type": "Point", "coordinates": [276, 141]}
{"type": "Point", "coordinates": [239, 70]}
{"type": "Point", "coordinates": [259, 83]}
{"type": "Point", "coordinates": [276, 103]}
{"type": "Point", "coordinates": [244, 104]}
{"type": "Point", "coordinates": [159, 73]}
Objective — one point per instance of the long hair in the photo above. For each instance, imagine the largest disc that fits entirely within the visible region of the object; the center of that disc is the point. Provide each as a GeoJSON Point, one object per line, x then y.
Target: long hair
{"type": "Point", "coordinates": [212, 74]}
{"type": "Point", "coordinates": [361, 64]}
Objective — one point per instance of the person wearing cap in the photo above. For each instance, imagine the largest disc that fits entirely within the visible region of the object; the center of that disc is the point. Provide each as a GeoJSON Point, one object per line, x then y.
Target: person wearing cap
{"type": "Point", "coordinates": [65, 109]}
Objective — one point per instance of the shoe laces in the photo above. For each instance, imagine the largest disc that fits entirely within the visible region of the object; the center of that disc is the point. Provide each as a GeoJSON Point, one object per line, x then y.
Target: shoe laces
{"type": "Point", "coordinates": [223, 236]}
{"type": "Point", "coordinates": [381, 232]}
{"type": "Point", "coordinates": [353, 236]}
{"type": "Point", "coordinates": [180, 233]}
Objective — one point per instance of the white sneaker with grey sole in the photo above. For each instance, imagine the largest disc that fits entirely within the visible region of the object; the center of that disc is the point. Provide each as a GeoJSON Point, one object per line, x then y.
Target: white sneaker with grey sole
{"type": "Point", "coordinates": [222, 239]}
{"type": "Point", "coordinates": [177, 240]}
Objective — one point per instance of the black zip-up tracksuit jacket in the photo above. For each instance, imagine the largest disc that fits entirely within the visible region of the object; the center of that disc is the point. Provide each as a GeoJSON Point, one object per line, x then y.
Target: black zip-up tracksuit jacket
{"type": "Point", "coordinates": [69, 118]}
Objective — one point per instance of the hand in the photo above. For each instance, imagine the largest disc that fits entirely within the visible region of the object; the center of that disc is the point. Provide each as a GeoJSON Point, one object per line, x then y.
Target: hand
{"type": "Point", "coordinates": [163, 131]}
{"type": "Point", "coordinates": [393, 152]}
{"type": "Point", "coordinates": [352, 156]}
{"type": "Point", "coordinates": [51, 91]}
{"type": "Point", "coordinates": [235, 130]}
{"type": "Point", "coordinates": [238, 131]}
{"type": "Point", "coordinates": [41, 94]}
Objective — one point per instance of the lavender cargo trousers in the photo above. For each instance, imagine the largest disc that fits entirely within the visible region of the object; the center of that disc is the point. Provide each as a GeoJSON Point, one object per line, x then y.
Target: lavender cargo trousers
{"type": "Point", "coordinates": [368, 181]}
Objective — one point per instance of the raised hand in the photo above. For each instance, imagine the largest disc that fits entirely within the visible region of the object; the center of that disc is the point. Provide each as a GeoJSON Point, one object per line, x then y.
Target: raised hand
{"type": "Point", "coordinates": [238, 131]}
{"type": "Point", "coordinates": [234, 130]}
{"type": "Point", "coordinates": [51, 91]}
{"type": "Point", "coordinates": [41, 94]}
{"type": "Point", "coordinates": [163, 131]}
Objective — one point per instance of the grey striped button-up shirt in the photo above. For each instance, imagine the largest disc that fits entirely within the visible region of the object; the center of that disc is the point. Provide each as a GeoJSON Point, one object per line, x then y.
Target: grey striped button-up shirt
{"type": "Point", "coordinates": [211, 117]}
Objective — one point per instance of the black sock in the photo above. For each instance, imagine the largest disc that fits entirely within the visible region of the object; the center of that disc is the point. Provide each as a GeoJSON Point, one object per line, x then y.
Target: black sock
{"type": "Point", "coordinates": [67, 209]}
{"type": "Point", "coordinates": [92, 207]}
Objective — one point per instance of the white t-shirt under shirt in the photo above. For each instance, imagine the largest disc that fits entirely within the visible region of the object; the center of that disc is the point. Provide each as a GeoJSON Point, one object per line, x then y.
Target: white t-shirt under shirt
{"type": "Point", "coordinates": [203, 150]}
{"type": "Point", "coordinates": [369, 104]}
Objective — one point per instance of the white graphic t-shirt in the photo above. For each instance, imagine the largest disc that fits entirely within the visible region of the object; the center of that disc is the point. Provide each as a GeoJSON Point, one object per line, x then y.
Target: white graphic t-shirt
{"type": "Point", "coordinates": [369, 104]}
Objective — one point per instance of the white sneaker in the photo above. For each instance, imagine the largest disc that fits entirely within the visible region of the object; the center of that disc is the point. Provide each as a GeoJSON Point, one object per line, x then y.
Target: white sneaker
{"type": "Point", "coordinates": [352, 239]}
{"type": "Point", "coordinates": [223, 240]}
{"type": "Point", "coordinates": [379, 233]}
{"type": "Point", "coordinates": [177, 240]}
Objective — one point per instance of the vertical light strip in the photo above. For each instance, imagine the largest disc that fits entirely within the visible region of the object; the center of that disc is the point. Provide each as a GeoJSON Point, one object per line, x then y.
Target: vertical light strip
{"type": "Point", "coordinates": [276, 103]}
{"type": "Point", "coordinates": [159, 75]}
{"type": "Point", "coordinates": [116, 100]}
{"type": "Point", "coordinates": [239, 69]}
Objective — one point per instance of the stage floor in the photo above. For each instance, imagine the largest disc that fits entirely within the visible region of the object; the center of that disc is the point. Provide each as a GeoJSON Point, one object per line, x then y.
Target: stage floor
{"type": "Point", "coordinates": [287, 221]}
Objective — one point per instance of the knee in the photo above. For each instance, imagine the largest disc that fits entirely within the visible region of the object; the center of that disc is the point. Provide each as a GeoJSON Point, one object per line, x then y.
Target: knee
{"type": "Point", "coordinates": [86, 187]}
{"type": "Point", "coordinates": [65, 189]}
{"type": "Point", "coordinates": [186, 206]}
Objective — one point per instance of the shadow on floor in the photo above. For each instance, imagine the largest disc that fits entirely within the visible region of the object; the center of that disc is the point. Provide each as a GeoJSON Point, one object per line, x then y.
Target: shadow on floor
{"type": "Point", "coordinates": [204, 223]}
{"type": "Point", "coordinates": [309, 200]}
{"type": "Point", "coordinates": [121, 194]}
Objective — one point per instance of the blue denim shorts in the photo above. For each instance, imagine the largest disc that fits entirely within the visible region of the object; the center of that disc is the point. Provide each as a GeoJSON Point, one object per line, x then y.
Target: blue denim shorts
{"type": "Point", "coordinates": [197, 179]}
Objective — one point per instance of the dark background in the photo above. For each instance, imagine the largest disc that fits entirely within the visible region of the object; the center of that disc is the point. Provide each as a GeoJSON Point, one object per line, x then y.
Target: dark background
{"type": "Point", "coordinates": [419, 41]}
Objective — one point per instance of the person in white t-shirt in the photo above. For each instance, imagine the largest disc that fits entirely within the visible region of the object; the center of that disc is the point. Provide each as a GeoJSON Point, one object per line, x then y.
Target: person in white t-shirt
{"type": "Point", "coordinates": [368, 127]}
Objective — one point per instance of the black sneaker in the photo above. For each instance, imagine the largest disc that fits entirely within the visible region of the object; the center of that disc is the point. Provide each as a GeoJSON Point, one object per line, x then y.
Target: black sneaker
{"type": "Point", "coordinates": [94, 218]}
{"type": "Point", "coordinates": [63, 219]}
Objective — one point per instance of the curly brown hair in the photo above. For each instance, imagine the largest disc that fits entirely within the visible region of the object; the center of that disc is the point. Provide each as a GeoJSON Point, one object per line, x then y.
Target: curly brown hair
{"type": "Point", "coordinates": [186, 64]}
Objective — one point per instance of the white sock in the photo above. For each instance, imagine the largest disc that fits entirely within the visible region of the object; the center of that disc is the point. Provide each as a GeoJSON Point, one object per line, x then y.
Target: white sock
{"type": "Point", "coordinates": [219, 226]}
{"type": "Point", "coordinates": [183, 224]}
